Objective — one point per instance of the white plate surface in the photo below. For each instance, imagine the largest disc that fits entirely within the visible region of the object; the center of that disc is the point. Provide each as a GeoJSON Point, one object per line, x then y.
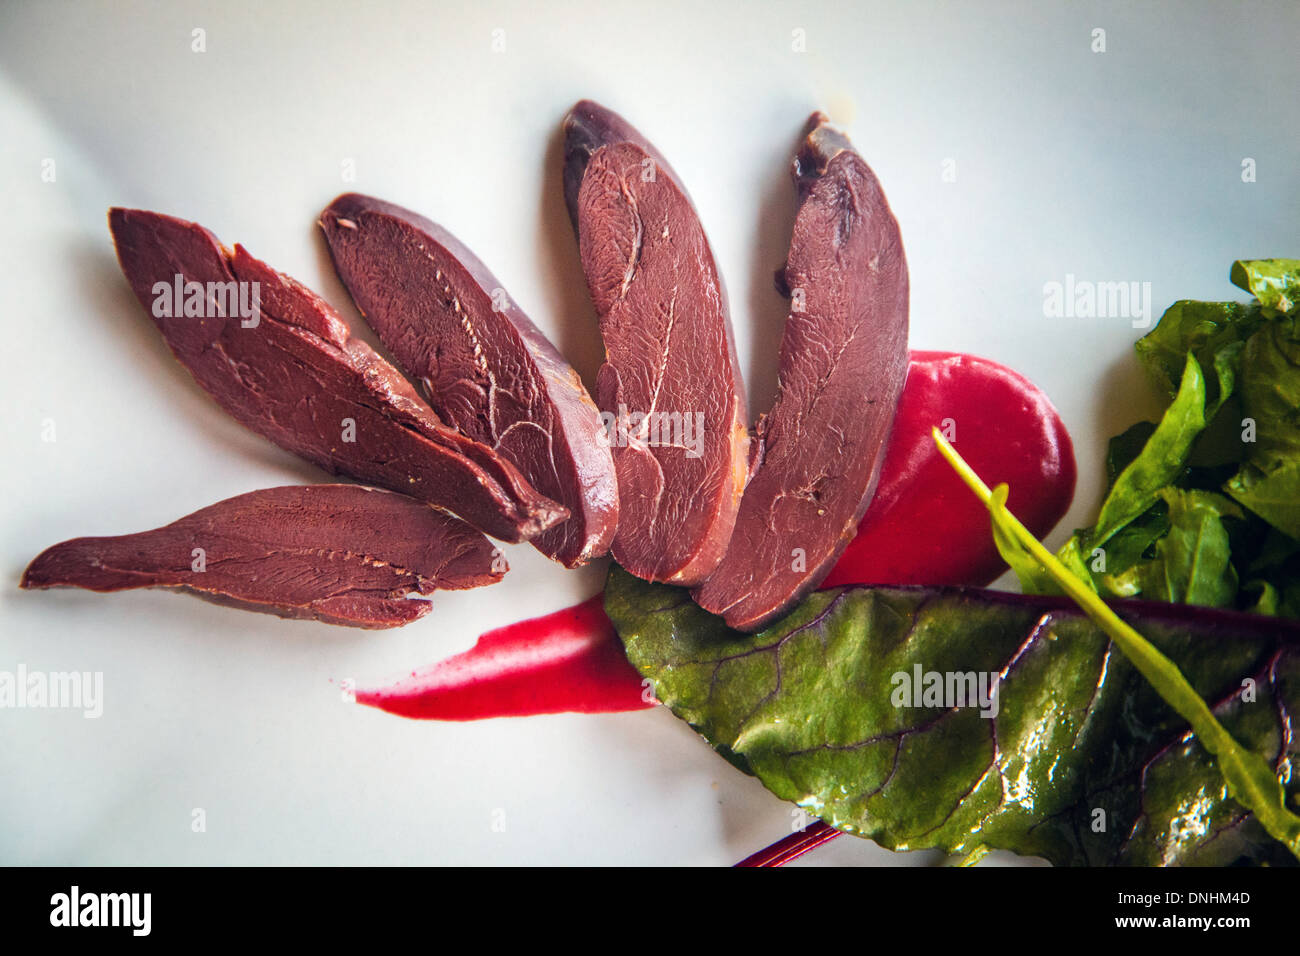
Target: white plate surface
{"type": "Point", "coordinates": [1110, 166]}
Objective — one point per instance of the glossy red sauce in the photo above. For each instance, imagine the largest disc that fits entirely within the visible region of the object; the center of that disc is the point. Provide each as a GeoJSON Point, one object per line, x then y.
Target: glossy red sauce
{"type": "Point", "coordinates": [923, 527]}
{"type": "Point", "coordinates": [567, 661]}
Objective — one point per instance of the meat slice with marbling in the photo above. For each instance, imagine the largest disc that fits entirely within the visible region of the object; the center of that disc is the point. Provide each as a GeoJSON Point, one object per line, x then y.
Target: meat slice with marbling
{"type": "Point", "coordinates": [291, 372]}
{"type": "Point", "coordinates": [842, 369]}
{"type": "Point", "coordinates": [670, 387]}
{"type": "Point", "coordinates": [342, 554]}
{"type": "Point", "coordinates": [485, 367]}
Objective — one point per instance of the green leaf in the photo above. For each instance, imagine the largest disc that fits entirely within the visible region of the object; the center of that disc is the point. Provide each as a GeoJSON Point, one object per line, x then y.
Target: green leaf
{"type": "Point", "coordinates": [1128, 552]}
{"type": "Point", "coordinates": [808, 706]}
{"type": "Point", "coordinates": [1249, 778]}
{"type": "Point", "coordinates": [1268, 483]}
{"type": "Point", "coordinates": [1192, 563]}
{"type": "Point", "coordinates": [1275, 282]}
{"type": "Point", "coordinates": [1274, 495]}
{"type": "Point", "coordinates": [1243, 439]}
{"type": "Point", "coordinates": [1125, 447]}
{"type": "Point", "coordinates": [1225, 362]}
{"type": "Point", "coordinates": [1202, 329]}
{"type": "Point", "coordinates": [1269, 387]}
{"type": "Point", "coordinates": [1269, 601]}
{"type": "Point", "coordinates": [1274, 572]}
{"type": "Point", "coordinates": [1161, 461]}
{"type": "Point", "coordinates": [1275, 550]}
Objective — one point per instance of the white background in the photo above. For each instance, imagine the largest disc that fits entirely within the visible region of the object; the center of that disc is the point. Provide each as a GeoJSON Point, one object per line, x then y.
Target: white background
{"type": "Point", "coordinates": [1122, 165]}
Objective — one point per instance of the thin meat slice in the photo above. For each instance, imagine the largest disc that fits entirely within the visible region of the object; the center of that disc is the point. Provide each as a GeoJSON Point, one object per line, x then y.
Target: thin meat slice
{"type": "Point", "coordinates": [289, 370]}
{"type": "Point", "coordinates": [670, 388]}
{"type": "Point", "coordinates": [843, 366]}
{"type": "Point", "coordinates": [342, 554]}
{"type": "Point", "coordinates": [485, 367]}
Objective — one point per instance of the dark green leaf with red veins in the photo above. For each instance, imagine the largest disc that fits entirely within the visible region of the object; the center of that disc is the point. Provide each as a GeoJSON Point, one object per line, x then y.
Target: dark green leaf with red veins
{"type": "Point", "coordinates": [1083, 764]}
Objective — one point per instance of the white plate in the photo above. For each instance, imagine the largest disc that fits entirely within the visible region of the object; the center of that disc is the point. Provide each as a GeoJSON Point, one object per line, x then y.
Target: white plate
{"type": "Point", "coordinates": [1116, 165]}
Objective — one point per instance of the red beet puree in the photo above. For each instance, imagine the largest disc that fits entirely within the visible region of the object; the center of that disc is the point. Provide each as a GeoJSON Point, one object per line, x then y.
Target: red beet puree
{"type": "Point", "coordinates": [567, 661]}
{"type": "Point", "coordinates": [924, 526]}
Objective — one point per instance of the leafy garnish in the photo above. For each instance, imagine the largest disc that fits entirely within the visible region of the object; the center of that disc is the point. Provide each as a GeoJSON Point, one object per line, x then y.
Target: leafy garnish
{"type": "Point", "coordinates": [1161, 461]}
{"type": "Point", "coordinates": [1202, 329]}
{"type": "Point", "coordinates": [1165, 530]}
{"type": "Point", "coordinates": [1083, 763]}
{"type": "Point", "coordinates": [1269, 482]}
{"type": "Point", "coordinates": [1192, 562]}
{"type": "Point", "coordinates": [1251, 780]}
{"type": "Point", "coordinates": [1274, 282]}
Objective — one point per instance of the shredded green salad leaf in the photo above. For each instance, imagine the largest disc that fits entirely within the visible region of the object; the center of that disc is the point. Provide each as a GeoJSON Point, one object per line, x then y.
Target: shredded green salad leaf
{"type": "Point", "coordinates": [1203, 507]}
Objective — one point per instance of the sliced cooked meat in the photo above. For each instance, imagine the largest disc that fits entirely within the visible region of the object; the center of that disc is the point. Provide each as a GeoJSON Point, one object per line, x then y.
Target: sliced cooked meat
{"type": "Point", "coordinates": [342, 554]}
{"type": "Point", "coordinates": [843, 365]}
{"type": "Point", "coordinates": [587, 128]}
{"type": "Point", "coordinates": [290, 372]}
{"type": "Point", "coordinates": [486, 368]}
{"type": "Point", "coordinates": [670, 388]}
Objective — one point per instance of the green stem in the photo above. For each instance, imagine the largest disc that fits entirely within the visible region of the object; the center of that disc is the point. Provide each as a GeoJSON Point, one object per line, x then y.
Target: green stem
{"type": "Point", "coordinates": [973, 857]}
{"type": "Point", "coordinates": [1250, 779]}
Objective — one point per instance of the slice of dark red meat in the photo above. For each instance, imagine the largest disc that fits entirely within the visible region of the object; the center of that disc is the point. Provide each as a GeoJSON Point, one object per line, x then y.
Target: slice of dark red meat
{"type": "Point", "coordinates": [342, 554]}
{"type": "Point", "coordinates": [670, 387]}
{"type": "Point", "coordinates": [486, 368]}
{"type": "Point", "coordinates": [843, 366]}
{"type": "Point", "coordinates": [291, 373]}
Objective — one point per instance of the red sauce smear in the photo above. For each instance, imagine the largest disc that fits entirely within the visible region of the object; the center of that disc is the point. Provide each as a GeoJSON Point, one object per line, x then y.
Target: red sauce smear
{"type": "Point", "coordinates": [567, 661]}
{"type": "Point", "coordinates": [923, 527]}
